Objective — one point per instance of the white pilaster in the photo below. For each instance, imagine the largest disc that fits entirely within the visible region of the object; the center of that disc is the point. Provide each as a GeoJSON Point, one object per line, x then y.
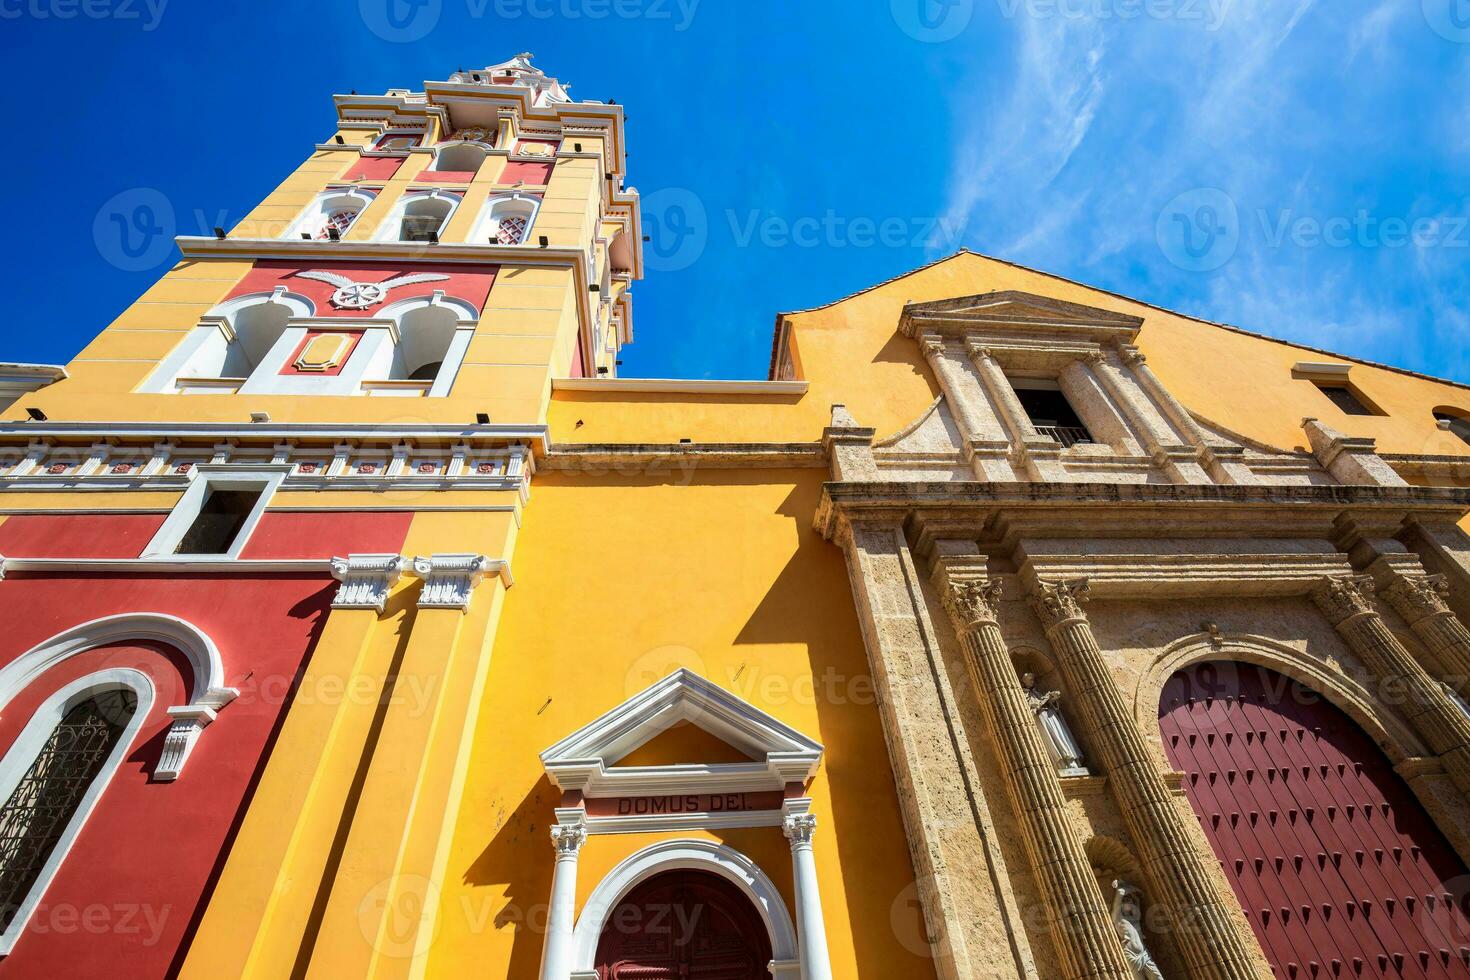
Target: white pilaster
{"type": "Point", "coordinates": [799, 825]}
{"type": "Point", "coordinates": [567, 836]}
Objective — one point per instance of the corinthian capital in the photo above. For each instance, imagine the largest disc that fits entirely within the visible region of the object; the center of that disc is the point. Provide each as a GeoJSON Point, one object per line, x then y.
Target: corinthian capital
{"type": "Point", "coordinates": [1057, 602]}
{"type": "Point", "coordinates": [1342, 597]}
{"type": "Point", "coordinates": [978, 351]}
{"type": "Point", "coordinates": [932, 346]}
{"type": "Point", "coordinates": [799, 828]}
{"type": "Point", "coordinates": [568, 838]}
{"type": "Point", "coordinates": [1417, 597]}
{"type": "Point", "coordinates": [973, 603]}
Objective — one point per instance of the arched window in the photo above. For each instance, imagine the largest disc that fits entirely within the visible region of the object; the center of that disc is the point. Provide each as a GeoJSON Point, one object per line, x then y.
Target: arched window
{"type": "Point", "coordinates": [230, 343]}
{"type": "Point", "coordinates": [459, 157]}
{"type": "Point", "coordinates": [334, 210]}
{"type": "Point", "coordinates": [431, 339]}
{"type": "Point", "coordinates": [1454, 421]}
{"type": "Point", "coordinates": [419, 217]}
{"type": "Point", "coordinates": [505, 220]}
{"type": "Point", "coordinates": [52, 777]}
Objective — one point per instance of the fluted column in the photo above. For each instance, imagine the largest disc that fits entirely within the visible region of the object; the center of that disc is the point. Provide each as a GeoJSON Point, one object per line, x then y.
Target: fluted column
{"type": "Point", "coordinates": [1000, 389]}
{"type": "Point", "coordinates": [1347, 601]}
{"type": "Point", "coordinates": [1087, 944]}
{"type": "Point", "coordinates": [811, 930]}
{"type": "Point", "coordinates": [1420, 600]}
{"type": "Point", "coordinates": [568, 835]}
{"type": "Point", "coordinates": [1206, 931]}
{"type": "Point", "coordinates": [950, 382]}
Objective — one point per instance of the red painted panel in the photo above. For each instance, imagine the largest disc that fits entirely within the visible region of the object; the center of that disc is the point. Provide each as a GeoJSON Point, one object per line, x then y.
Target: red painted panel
{"type": "Point", "coordinates": [144, 862]}
{"type": "Point", "coordinates": [531, 173]}
{"type": "Point", "coordinates": [445, 176]}
{"type": "Point", "coordinates": [374, 168]}
{"type": "Point", "coordinates": [1338, 868]}
{"type": "Point", "coordinates": [684, 925]}
{"type": "Point", "coordinates": [78, 535]}
{"type": "Point", "coordinates": [330, 534]}
{"type": "Point", "coordinates": [579, 367]}
{"type": "Point", "coordinates": [355, 336]}
{"type": "Point", "coordinates": [469, 283]}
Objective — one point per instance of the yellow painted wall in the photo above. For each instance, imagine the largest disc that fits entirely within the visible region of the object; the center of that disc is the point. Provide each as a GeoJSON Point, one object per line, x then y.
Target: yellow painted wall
{"type": "Point", "coordinates": [619, 580]}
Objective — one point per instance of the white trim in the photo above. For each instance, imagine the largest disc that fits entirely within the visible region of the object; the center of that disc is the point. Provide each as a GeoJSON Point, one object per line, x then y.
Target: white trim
{"type": "Point", "coordinates": [220, 322]}
{"type": "Point", "coordinates": [202, 478]}
{"type": "Point", "coordinates": [672, 822]}
{"type": "Point", "coordinates": [22, 755]}
{"type": "Point", "coordinates": [681, 387]}
{"type": "Point", "coordinates": [391, 227]}
{"type": "Point", "coordinates": [317, 209]}
{"type": "Point", "coordinates": [180, 564]}
{"type": "Point", "coordinates": [586, 760]}
{"type": "Point", "coordinates": [697, 855]}
{"type": "Point", "coordinates": [388, 434]}
{"type": "Point", "coordinates": [513, 203]}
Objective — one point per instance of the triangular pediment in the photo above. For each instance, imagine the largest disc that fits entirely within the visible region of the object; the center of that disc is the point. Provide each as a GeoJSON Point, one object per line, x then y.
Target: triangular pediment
{"type": "Point", "coordinates": [683, 744]}
{"type": "Point", "coordinates": [588, 760]}
{"type": "Point", "coordinates": [1014, 310]}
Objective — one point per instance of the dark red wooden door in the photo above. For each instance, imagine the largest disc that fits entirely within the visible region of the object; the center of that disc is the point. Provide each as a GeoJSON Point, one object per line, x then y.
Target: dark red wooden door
{"type": "Point", "coordinates": [1336, 865]}
{"type": "Point", "coordinates": [684, 924]}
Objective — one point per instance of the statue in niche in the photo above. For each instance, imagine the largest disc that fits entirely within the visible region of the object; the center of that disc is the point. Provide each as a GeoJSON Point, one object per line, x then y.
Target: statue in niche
{"type": "Point", "coordinates": [1128, 920]}
{"type": "Point", "coordinates": [1065, 751]}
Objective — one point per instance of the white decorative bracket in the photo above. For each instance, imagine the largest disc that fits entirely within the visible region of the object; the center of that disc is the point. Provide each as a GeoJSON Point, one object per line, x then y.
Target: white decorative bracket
{"type": "Point", "coordinates": [450, 580]}
{"type": "Point", "coordinates": [366, 580]}
{"type": "Point", "coordinates": [189, 721]}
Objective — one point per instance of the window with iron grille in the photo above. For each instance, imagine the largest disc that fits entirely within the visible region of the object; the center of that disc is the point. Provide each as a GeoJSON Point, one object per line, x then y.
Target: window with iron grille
{"type": "Point", "coordinates": [512, 231]}
{"type": "Point", "coordinates": [1050, 413]}
{"type": "Point", "coordinates": [340, 220]}
{"type": "Point", "coordinates": [47, 796]}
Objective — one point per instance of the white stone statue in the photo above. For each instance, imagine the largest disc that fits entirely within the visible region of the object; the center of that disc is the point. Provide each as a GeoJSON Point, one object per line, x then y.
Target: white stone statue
{"type": "Point", "coordinates": [1128, 920]}
{"type": "Point", "coordinates": [1065, 751]}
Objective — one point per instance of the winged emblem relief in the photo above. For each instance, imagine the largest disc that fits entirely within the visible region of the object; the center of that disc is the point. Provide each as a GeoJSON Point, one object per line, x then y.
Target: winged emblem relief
{"type": "Point", "coordinates": [351, 295]}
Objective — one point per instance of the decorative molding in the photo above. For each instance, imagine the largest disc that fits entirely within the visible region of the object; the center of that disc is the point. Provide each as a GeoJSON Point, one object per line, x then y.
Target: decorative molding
{"type": "Point", "coordinates": [569, 832]}
{"type": "Point", "coordinates": [585, 761]}
{"type": "Point", "coordinates": [1143, 575]}
{"type": "Point", "coordinates": [177, 564]}
{"type": "Point", "coordinates": [189, 722]}
{"type": "Point", "coordinates": [972, 604]}
{"type": "Point", "coordinates": [1059, 603]}
{"type": "Point", "coordinates": [798, 823]}
{"type": "Point", "coordinates": [366, 580]}
{"type": "Point", "coordinates": [651, 457]}
{"type": "Point", "coordinates": [1345, 597]}
{"type": "Point", "coordinates": [450, 579]}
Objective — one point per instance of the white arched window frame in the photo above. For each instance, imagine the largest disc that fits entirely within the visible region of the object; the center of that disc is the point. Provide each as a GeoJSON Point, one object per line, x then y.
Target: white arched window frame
{"type": "Point", "coordinates": [500, 213]}
{"type": "Point", "coordinates": [459, 156]}
{"type": "Point", "coordinates": [27, 748]}
{"type": "Point", "coordinates": [326, 209]}
{"type": "Point", "coordinates": [230, 343]}
{"type": "Point", "coordinates": [441, 203]}
{"type": "Point", "coordinates": [696, 855]}
{"type": "Point", "coordinates": [424, 330]}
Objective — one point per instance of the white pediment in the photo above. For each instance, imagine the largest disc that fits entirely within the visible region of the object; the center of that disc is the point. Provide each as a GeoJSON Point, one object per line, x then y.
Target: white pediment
{"type": "Point", "coordinates": [586, 761]}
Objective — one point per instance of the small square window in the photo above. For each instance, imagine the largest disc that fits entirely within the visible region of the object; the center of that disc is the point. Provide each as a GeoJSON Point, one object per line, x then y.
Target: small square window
{"type": "Point", "coordinates": [1345, 398]}
{"type": "Point", "coordinates": [216, 515]}
{"type": "Point", "coordinates": [218, 522]}
{"type": "Point", "coordinates": [1050, 412]}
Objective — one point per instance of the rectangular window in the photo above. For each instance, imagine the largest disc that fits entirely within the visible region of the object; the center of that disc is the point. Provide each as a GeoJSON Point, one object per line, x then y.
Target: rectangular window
{"type": "Point", "coordinates": [1050, 412]}
{"type": "Point", "coordinates": [419, 228]}
{"type": "Point", "coordinates": [1345, 398]}
{"type": "Point", "coordinates": [218, 523]}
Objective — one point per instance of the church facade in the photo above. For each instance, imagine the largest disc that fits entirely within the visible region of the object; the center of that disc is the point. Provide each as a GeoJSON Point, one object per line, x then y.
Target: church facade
{"type": "Point", "coordinates": [361, 621]}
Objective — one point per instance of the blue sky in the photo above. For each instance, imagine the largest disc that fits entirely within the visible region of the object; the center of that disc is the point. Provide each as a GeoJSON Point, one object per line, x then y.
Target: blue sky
{"type": "Point", "coordinates": [1295, 167]}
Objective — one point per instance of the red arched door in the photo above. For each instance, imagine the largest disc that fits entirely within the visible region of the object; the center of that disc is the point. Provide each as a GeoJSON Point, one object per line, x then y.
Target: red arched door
{"type": "Point", "coordinates": [684, 924]}
{"type": "Point", "coordinates": [1336, 865]}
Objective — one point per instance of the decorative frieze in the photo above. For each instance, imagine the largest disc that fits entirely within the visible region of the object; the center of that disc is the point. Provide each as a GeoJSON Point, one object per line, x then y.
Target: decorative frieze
{"type": "Point", "coordinates": [366, 580]}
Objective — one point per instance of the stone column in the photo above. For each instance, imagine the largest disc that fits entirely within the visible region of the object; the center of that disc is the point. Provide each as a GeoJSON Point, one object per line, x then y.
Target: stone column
{"type": "Point", "coordinates": [1347, 601]}
{"type": "Point", "coordinates": [951, 382]}
{"type": "Point", "coordinates": [567, 836]}
{"type": "Point", "coordinates": [999, 388]}
{"type": "Point", "coordinates": [1087, 944]}
{"type": "Point", "coordinates": [811, 932]}
{"type": "Point", "coordinates": [1420, 600]}
{"type": "Point", "coordinates": [1207, 932]}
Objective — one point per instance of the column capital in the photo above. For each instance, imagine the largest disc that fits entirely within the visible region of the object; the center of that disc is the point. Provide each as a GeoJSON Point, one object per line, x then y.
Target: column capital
{"type": "Point", "coordinates": [971, 603]}
{"type": "Point", "coordinates": [1417, 597]}
{"type": "Point", "coordinates": [1344, 597]}
{"type": "Point", "coordinates": [1132, 355]}
{"type": "Point", "coordinates": [799, 828]}
{"type": "Point", "coordinates": [569, 832]}
{"type": "Point", "coordinates": [1058, 603]}
{"type": "Point", "coordinates": [366, 580]}
{"type": "Point", "coordinates": [450, 580]}
{"type": "Point", "coordinates": [978, 350]}
{"type": "Point", "coordinates": [931, 345]}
